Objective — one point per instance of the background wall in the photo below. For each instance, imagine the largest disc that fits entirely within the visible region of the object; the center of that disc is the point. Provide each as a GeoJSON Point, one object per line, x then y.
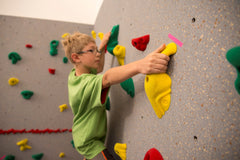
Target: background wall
{"type": "Point", "coordinates": [204, 101]}
{"type": "Point", "coordinates": [77, 11]}
{"type": "Point", "coordinates": [50, 91]}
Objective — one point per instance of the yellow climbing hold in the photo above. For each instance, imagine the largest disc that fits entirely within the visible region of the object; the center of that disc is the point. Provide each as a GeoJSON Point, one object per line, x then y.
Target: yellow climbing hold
{"type": "Point", "coordinates": [22, 142]}
{"type": "Point", "coordinates": [119, 51]}
{"type": "Point", "coordinates": [23, 145]}
{"type": "Point", "coordinates": [100, 35]}
{"type": "Point", "coordinates": [61, 154]}
{"type": "Point", "coordinates": [94, 35]}
{"type": "Point", "coordinates": [65, 35]}
{"type": "Point", "coordinates": [63, 107]}
{"type": "Point", "coordinates": [158, 86]}
{"type": "Point", "coordinates": [13, 81]}
{"type": "Point", "coordinates": [120, 150]}
{"type": "Point", "coordinates": [170, 49]}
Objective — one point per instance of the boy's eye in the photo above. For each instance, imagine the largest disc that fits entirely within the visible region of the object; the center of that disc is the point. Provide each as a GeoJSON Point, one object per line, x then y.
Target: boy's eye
{"type": "Point", "coordinates": [91, 50]}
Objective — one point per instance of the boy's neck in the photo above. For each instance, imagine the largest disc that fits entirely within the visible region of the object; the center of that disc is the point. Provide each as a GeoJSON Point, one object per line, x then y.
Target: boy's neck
{"type": "Point", "coordinates": [79, 70]}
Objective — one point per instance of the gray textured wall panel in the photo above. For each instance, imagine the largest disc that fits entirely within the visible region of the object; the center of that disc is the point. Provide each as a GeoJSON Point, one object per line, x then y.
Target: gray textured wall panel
{"type": "Point", "coordinates": [50, 91]}
{"type": "Point", "coordinates": [204, 102]}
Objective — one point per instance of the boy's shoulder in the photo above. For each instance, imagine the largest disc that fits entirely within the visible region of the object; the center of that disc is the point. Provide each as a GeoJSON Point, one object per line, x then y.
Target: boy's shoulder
{"type": "Point", "coordinates": [72, 78]}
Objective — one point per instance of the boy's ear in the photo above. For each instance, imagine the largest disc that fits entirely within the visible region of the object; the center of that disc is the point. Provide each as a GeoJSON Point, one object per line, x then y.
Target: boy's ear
{"type": "Point", "coordinates": [76, 57]}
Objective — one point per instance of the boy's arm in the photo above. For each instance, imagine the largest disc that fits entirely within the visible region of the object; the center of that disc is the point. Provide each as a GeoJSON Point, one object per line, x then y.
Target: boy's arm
{"type": "Point", "coordinates": [151, 64]}
{"type": "Point", "coordinates": [102, 50]}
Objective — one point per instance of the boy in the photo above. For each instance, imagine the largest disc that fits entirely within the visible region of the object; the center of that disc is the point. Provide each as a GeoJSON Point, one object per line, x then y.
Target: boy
{"type": "Point", "coordinates": [88, 91]}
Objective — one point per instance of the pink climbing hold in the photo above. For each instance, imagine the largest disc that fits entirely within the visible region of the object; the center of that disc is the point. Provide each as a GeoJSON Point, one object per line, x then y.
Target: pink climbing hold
{"type": "Point", "coordinates": [175, 40]}
{"type": "Point", "coordinates": [2, 158]}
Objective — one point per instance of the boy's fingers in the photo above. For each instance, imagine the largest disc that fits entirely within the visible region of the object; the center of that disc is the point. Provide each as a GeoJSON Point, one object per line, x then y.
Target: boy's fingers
{"type": "Point", "coordinates": [160, 49]}
{"type": "Point", "coordinates": [165, 57]}
{"type": "Point", "coordinates": [161, 56]}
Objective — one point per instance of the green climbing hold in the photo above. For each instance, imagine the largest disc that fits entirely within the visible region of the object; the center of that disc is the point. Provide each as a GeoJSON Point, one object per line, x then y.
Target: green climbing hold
{"type": "Point", "coordinates": [9, 157]}
{"type": "Point", "coordinates": [128, 86]}
{"type": "Point", "coordinates": [113, 40]}
{"type": "Point", "coordinates": [72, 144]}
{"type": "Point", "coordinates": [53, 47]}
{"type": "Point", "coordinates": [233, 56]}
{"type": "Point", "coordinates": [37, 156]}
{"type": "Point", "coordinates": [27, 94]}
{"type": "Point", "coordinates": [65, 59]}
{"type": "Point", "coordinates": [108, 104]}
{"type": "Point", "coordinates": [14, 56]}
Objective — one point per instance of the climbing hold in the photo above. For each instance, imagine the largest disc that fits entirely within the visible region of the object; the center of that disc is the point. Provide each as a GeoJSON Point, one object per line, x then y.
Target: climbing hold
{"type": "Point", "coordinates": [37, 156]}
{"type": "Point", "coordinates": [14, 56]}
{"type": "Point", "coordinates": [23, 145]}
{"type": "Point", "coordinates": [65, 35]}
{"type": "Point", "coordinates": [13, 81]}
{"type": "Point", "coordinates": [100, 35]}
{"type": "Point", "coordinates": [193, 20]}
{"type": "Point", "coordinates": [113, 39]}
{"type": "Point", "coordinates": [51, 70]}
{"type": "Point", "coordinates": [34, 131]}
{"type": "Point", "coordinates": [54, 43]}
{"type": "Point", "coordinates": [119, 52]}
{"type": "Point", "coordinates": [195, 137]}
{"type": "Point", "coordinates": [233, 57]}
{"type": "Point", "coordinates": [27, 94]}
{"type": "Point", "coordinates": [63, 107]}
{"type": "Point", "coordinates": [94, 35]}
{"type": "Point", "coordinates": [108, 104]}
{"type": "Point", "coordinates": [174, 39]}
{"type": "Point", "coordinates": [128, 86]}
{"type": "Point", "coordinates": [53, 47]}
{"type": "Point", "coordinates": [9, 157]}
{"type": "Point", "coordinates": [28, 46]}
{"type": "Point", "coordinates": [3, 157]}
{"type": "Point", "coordinates": [120, 150]}
{"type": "Point", "coordinates": [153, 154]}
{"type": "Point", "coordinates": [22, 142]}
{"type": "Point", "coordinates": [72, 144]}
{"type": "Point", "coordinates": [141, 42]}
{"type": "Point", "coordinates": [61, 154]}
{"type": "Point", "coordinates": [158, 86]}
{"type": "Point", "coordinates": [53, 51]}
{"type": "Point", "coordinates": [65, 59]}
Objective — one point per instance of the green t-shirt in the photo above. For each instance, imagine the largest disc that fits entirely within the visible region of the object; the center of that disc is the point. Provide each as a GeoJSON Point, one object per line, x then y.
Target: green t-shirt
{"type": "Point", "coordinates": [90, 119]}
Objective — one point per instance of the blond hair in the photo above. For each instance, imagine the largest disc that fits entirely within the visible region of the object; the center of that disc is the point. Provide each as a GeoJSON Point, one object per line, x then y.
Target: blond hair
{"type": "Point", "coordinates": [75, 43]}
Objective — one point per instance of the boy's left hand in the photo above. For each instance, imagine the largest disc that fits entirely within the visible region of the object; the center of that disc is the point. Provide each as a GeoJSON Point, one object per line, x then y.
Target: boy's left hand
{"type": "Point", "coordinates": [104, 41]}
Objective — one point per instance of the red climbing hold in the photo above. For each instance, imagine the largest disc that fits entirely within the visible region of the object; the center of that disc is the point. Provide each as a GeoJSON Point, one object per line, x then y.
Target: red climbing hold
{"type": "Point", "coordinates": [64, 130]}
{"type": "Point", "coordinates": [34, 131]}
{"type": "Point", "coordinates": [51, 70]}
{"type": "Point", "coordinates": [153, 154]}
{"type": "Point", "coordinates": [28, 45]}
{"type": "Point", "coordinates": [141, 42]}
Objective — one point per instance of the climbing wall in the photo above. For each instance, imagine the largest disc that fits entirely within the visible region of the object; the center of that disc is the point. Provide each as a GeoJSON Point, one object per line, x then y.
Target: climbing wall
{"type": "Point", "coordinates": [40, 115]}
{"type": "Point", "coordinates": [203, 118]}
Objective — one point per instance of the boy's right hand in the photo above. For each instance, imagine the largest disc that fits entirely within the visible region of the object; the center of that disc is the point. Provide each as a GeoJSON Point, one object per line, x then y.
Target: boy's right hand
{"type": "Point", "coordinates": [155, 62]}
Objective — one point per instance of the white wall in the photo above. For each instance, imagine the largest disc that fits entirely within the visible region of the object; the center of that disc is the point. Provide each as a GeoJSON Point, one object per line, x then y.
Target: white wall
{"type": "Point", "coordinates": [78, 11]}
